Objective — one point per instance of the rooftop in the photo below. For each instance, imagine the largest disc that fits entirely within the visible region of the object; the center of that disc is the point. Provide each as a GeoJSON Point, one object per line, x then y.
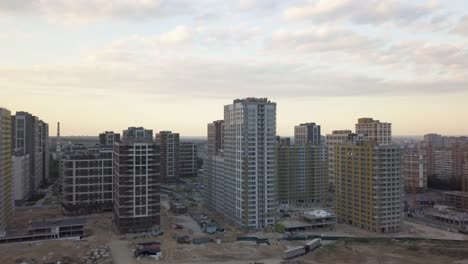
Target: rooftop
{"type": "Point", "coordinates": [58, 223]}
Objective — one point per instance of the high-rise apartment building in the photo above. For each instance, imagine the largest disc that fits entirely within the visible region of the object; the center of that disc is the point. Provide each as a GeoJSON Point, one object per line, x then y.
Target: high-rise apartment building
{"type": "Point", "coordinates": [465, 174]}
{"type": "Point", "coordinates": [336, 137]}
{"type": "Point", "coordinates": [27, 140]}
{"type": "Point", "coordinates": [443, 164]}
{"type": "Point", "coordinates": [188, 159]}
{"type": "Point", "coordinates": [44, 150]}
{"type": "Point", "coordinates": [377, 131]}
{"type": "Point", "coordinates": [6, 171]}
{"type": "Point", "coordinates": [214, 183]}
{"type": "Point", "coordinates": [136, 182]}
{"type": "Point", "coordinates": [369, 182]}
{"type": "Point", "coordinates": [249, 167]}
{"type": "Point", "coordinates": [415, 170]}
{"type": "Point", "coordinates": [87, 179]}
{"type": "Point", "coordinates": [169, 145]}
{"type": "Point", "coordinates": [108, 138]}
{"type": "Point", "coordinates": [213, 168]}
{"type": "Point", "coordinates": [21, 178]}
{"type": "Point", "coordinates": [307, 133]}
{"type": "Point", "coordinates": [215, 137]}
{"type": "Point", "coordinates": [301, 173]}
{"type": "Point", "coordinates": [435, 139]}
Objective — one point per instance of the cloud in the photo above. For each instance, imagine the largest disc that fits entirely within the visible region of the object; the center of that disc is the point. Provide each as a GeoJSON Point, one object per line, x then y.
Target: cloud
{"type": "Point", "coordinates": [210, 78]}
{"type": "Point", "coordinates": [360, 12]}
{"type": "Point", "coordinates": [228, 35]}
{"type": "Point", "coordinates": [84, 11]}
{"type": "Point", "coordinates": [462, 26]}
{"type": "Point", "coordinates": [322, 39]}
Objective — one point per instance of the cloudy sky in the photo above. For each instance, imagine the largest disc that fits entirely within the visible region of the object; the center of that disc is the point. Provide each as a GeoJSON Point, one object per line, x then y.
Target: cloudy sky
{"type": "Point", "coordinates": [100, 65]}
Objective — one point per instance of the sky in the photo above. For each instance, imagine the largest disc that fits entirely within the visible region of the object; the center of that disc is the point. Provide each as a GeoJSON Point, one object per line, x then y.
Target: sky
{"type": "Point", "coordinates": [97, 65]}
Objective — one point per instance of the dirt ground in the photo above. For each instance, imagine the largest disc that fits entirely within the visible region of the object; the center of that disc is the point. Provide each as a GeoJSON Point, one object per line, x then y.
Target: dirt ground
{"type": "Point", "coordinates": [99, 232]}
{"type": "Point", "coordinates": [393, 253]}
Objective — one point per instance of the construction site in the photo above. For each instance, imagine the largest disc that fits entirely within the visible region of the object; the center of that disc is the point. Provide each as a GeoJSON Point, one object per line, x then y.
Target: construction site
{"type": "Point", "coordinates": [191, 234]}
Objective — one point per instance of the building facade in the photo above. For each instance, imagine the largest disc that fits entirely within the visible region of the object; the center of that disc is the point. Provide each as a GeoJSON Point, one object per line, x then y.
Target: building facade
{"type": "Point", "coordinates": [136, 182]}
{"type": "Point", "coordinates": [214, 183]}
{"type": "Point", "coordinates": [21, 178]}
{"type": "Point", "coordinates": [301, 173]}
{"type": "Point", "coordinates": [336, 137]}
{"type": "Point", "coordinates": [6, 171]}
{"type": "Point", "coordinates": [44, 150]}
{"type": "Point", "coordinates": [87, 179]}
{"type": "Point", "coordinates": [26, 140]}
{"type": "Point", "coordinates": [249, 168]}
{"type": "Point", "coordinates": [108, 138]}
{"type": "Point", "coordinates": [443, 164]}
{"type": "Point", "coordinates": [415, 170]}
{"type": "Point", "coordinates": [374, 130]}
{"type": "Point", "coordinates": [369, 184]}
{"type": "Point", "coordinates": [215, 137]}
{"type": "Point", "coordinates": [169, 144]}
{"type": "Point", "coordinates": [188, 159]}
{"type": "Point", "coordinates": [307, 133]}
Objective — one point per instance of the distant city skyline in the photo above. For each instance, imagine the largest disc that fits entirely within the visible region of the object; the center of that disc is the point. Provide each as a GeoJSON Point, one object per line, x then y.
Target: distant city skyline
{"type": "Point", "coordinates": [169, 65]}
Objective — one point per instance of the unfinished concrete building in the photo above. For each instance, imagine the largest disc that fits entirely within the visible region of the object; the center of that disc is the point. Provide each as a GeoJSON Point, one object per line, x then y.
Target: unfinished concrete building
{"type": "Point", "coordinates": [87, 181]}
{"type": "Point", "coordinates": [136, 182]}
{"type": "Point", "coordinates": [169, 145]}
{"type": "Point", "coordinates": [188, 159]}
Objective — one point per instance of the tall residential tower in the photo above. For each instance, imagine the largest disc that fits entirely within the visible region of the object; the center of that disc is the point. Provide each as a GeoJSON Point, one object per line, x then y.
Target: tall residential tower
{"type": "Point", "coordinates": [136, 182]}
{"type": "Point", "coordinates": [6, 177]}
{"type": "Point", "coordinates": [249, 153]}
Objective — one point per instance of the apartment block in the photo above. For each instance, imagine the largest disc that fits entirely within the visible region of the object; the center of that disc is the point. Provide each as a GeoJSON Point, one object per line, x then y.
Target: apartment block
{"type": "Point", "coordinates": [215, 137]}
{"type": "Point", "coordinates": [44, 150]}
{"type": "Point", "coordinates": [301, 173]}
{"type": "Point", "coordinates": [249, 167]}
{"type": "Point", "coordinates": [443, 164]}
{"type": "Point", "coordinates": [108, 138]}
{"type": "Point", "coordinates": [87, 179]}
{"type": "Point", "coordinates": [336, 137]}
{"type": "Point", "coordinates": [188, 159]}
{"type": "Point", "coordinates": [169, 145]}
{"type": "Point", "coordinates": [368, 172]}
{"type": "Point", "coordinates": [26, 140]}
{"type": "Point", "coordinates": [374, 130]}
{"type": "Point", "coordinates": [307, 133]}
{"type": "Point", "coordinates": [136, 182]}
{"type": "Point", "coordinates": [415, 170]}
{"type": "Point", "coordinates": [214, 182]}
{"type": "Point", "coordinates": [20, 178]}
{"type": "Point", "coordinates": [369, 185]}
{"type": "Point", "coordinates": [6, 175]}
{"type": "Point", "coordinates": [465, 174]}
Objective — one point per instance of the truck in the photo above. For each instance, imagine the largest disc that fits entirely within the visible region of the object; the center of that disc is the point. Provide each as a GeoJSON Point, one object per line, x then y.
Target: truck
{"type": "Point", "coordinates": [313, 244]}
{"type": "Point", "coordinates": [294, 252]}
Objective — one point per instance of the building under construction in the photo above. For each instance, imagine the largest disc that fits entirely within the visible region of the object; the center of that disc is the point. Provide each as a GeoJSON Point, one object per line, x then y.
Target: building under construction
{"type": "Point", "coordinates": [87, 180]}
